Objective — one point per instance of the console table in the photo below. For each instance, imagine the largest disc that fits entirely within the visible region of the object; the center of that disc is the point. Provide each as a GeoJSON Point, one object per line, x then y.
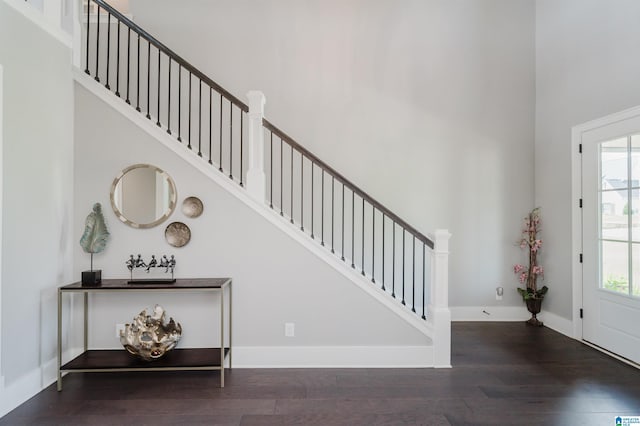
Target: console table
{"type": "Point", "coordinates": [118, 360]}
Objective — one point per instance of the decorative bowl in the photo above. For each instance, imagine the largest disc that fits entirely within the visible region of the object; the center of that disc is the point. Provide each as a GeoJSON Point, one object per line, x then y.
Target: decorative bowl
{"type": "Point", "coordinates": [149, 337]}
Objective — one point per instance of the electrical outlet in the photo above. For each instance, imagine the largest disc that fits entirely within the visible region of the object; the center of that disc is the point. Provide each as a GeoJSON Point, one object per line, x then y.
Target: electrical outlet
{"type": "Point", "coordinates": [289, 329]}
{"type": "Point", "coordinates": [499, 293]}
{"type": "Point", "coordinates": [119, 328]}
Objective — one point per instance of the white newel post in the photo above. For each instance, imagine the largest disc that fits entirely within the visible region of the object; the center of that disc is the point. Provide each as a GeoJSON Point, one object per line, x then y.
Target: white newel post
{"type": "Point", "coordinates": [256, 180]}
{"type": "Point", "coordinates": [76, 10]}
{"type": "Point", "coordinates": [439, 313]}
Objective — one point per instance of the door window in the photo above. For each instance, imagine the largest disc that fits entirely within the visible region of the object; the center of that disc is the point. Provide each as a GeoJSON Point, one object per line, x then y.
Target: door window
{"type": "Point", "coordinates": [619, 217]}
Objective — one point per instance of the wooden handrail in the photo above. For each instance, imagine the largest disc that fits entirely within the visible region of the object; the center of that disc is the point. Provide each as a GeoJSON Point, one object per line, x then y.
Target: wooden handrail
{"type": "Point", "coordinates": [308, 154]}
{"type": "Point", "coordinates": [174, 56]}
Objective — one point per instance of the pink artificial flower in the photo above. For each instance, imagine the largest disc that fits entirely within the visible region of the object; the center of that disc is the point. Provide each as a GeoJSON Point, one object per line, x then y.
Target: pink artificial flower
{"type": "Point", "coordinates": [518, 268]}
{"type": "Point", "coordinates": [523, 243]}
{"type": "Point", "coordinates": [523, 277]}
{"type": "Point", "coordinates": [537, 270]}
{"type": "Point", "coordinates": [536, 245]}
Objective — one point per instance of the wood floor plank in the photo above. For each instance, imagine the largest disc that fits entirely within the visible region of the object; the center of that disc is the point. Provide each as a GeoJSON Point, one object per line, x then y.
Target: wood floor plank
{"type": "Point", "coordinates": [504, 373]}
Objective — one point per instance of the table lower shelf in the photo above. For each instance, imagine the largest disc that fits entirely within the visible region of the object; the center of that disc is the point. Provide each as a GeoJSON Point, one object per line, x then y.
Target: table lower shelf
{"type": "Point", "coordinates": [121, 360]}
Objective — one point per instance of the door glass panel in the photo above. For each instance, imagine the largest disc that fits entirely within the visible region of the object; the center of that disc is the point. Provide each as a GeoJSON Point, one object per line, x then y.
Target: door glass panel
{"type": "Point", "coordinates": [613, 164]}
{"type": "Point", "coordinates": [619, 214]}
{"type": "Point", "coordinates": [635, 191]}
{"type": "Point", "coordinates": [635, 267]}
{"type": "Point", "coordinates": [615, 220]}
{"type": "Point", "coordinates": [635, 215]}
{"type": "Point", "coordinates": [615, 266]}
{"type": "Point", "coordinates": [635, 161]}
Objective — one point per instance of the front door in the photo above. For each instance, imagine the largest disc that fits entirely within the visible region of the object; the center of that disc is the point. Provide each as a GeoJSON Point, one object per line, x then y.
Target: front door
{"type": "Point", "coordinates": [611, 237]}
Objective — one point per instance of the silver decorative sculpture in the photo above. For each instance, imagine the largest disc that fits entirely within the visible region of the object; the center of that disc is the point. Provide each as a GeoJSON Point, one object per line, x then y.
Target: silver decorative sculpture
{"type": "Point", "coordinates": [169, 265]}
{"type": "Point", "coordinates": [149, 337]}
{"type": "Point", "coordinates": [94, 240]}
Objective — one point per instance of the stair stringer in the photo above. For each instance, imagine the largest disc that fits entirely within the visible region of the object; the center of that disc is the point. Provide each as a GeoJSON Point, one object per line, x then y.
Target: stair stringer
{"type": "Point", "coordinates": [159, 133]}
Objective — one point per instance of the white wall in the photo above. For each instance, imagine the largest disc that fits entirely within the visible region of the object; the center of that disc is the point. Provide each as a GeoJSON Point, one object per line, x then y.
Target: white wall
{"type": "Point", "coordinates": [426, 105]}
{"type": "Point", "coordinates": [275, 279]}
{"type": "Point", "coordinates": [37, 191]}
{"type": "Point", "coordinates": [587, 66]}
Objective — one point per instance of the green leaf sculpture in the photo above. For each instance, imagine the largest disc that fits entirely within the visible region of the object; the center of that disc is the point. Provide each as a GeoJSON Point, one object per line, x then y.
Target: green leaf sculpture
{"type": "Point", "coordinates": [95, 236]}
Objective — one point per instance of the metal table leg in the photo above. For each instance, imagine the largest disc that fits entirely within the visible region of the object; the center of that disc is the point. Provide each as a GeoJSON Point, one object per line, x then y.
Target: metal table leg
{"type": "Point", "coordinates": [222, 337]}
{"type": "Point", "coordinates": [230, 322]}
{"type": "Point", "coordinates": [59, 339]}
{"type": "Point", "coordinates": [86, 321]}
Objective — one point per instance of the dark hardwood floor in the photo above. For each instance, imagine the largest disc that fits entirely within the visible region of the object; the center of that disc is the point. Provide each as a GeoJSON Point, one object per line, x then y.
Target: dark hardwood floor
{"type": "Point", "coordinates": [504, 373]}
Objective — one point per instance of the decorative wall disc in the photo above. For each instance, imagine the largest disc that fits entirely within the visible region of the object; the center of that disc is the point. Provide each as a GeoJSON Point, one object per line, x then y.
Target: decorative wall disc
{"type": "Point", "coordinates": [192, 207]}
{"type": "Point", "coordinates": [177, 234]}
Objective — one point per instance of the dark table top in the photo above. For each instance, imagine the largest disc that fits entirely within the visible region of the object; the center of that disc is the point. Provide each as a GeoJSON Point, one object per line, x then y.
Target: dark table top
{"type": "Point", "coordinates": [122, 284]}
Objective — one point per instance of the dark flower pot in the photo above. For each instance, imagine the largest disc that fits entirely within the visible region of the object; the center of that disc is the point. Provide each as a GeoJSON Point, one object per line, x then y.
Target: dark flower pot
{"type": "Point", "coordinates": [534, 306]}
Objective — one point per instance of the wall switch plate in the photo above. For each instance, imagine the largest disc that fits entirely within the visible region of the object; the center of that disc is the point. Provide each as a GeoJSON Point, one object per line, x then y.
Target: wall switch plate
{"type": "Point", "coordinates": [289, 329]}
{"type": "Point", "coordinates": [119, 328]}
{"type": "Point", "coordinates": [499, 293]}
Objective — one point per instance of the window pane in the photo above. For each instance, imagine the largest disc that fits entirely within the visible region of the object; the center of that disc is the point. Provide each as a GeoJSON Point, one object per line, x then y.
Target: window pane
{"type": "Point", "coordinates": [635, 183]}
{"type": "Point", "coordinates": [635, 267]}
{"type": "Point", "coordinates": [615, 220]}
{"type": "Point", "coordinates": [635, 161]}
{"type": "Point", "coordinates": [635, 215]}
{"type": "Point", "coordinates": [615, 269]}
{"type": "Point", "coordinates": [613, 164]}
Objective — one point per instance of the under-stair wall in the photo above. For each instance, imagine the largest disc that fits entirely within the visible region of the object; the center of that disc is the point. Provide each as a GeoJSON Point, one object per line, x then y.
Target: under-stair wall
{"type": "Point", "coordinates": [275, 279]}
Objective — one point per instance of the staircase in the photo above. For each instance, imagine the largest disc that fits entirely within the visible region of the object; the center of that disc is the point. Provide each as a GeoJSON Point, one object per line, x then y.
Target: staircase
{"type": "Point", "coordinates": [297, 191]}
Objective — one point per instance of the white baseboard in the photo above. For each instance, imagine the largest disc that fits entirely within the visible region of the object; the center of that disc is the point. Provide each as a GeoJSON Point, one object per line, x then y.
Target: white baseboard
{"type": "Point", "coordinates": [489, 313]}
{"type": "Point", "coordinates": [332, 356]}
{"type": "Point", "coordinates": [30, 384]}
{"type": "Point", "coordinates": [555, 322]}
{"type": "Point", "coordinates": [20, 391]}
{"type": "Point", "coordinates": [510, 313]}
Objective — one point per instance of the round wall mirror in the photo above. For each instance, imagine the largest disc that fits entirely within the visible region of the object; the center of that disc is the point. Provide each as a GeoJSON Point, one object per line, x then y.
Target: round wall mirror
{"type": "Point", "coordinates": [143, 196]}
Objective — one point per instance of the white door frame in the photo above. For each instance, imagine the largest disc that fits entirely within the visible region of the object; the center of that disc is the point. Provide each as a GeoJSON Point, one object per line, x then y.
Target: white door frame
{"type": "Point", "coordinates": [576, 211]}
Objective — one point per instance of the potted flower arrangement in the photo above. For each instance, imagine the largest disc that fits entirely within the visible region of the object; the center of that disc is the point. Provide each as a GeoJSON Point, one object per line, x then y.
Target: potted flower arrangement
{"type": "Point", "coordinates": [531, 294]}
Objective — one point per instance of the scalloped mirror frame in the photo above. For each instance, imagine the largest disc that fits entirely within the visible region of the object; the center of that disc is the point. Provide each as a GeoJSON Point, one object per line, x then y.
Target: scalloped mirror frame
{"type": "Point", "coordinates": [173, 201]}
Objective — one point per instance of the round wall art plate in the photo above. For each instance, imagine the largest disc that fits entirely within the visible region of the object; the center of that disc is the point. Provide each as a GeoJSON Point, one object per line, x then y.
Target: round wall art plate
{"type": "Point", "coordinates": [177, 234]}
{"type": "Point", "coordinates": [192, 207]}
